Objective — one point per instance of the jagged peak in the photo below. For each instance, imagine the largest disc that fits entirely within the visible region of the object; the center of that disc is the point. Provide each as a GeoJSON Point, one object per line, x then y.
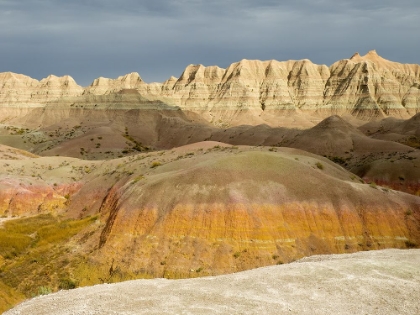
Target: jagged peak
{"type": "Point", "coordinates": [53, 77]}
{"type": "Point", "coordinates": [194, 67]}
{"type": "Point", "coordinates": [198, 71]}
{"type": "Point", "coordinates": [130, 76]}
{"type": "Point", "coordinates": [99, 81]}
{"type": "Point", "coordinates": [171, 81]}
{"type": "Point", "coordinates": [50, 79]}
{"type": "Point", "coordinates": [372, 53]}
{"type": "Point", "coordinates": [11, 76]}
{"type": "Point", "coordinates": [190, 69]}
{"type": "Point", "coordinates": [355, 56]}
{"type": "Point", "coordinates": [371, 56]}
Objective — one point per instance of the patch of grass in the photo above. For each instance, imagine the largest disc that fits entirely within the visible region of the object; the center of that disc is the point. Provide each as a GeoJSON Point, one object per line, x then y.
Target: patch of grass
{"type": "Point", "coordinates": [44, 290]}
{"type": "Point", "coordinates": [137, 179]}
{"type": "Point", "coordinates": [319, 165]}
{"type": "Point", "coordinates": [155, 164]}
{"type": "Point", "coordinates": [373, 185]}
{"type": "Point", "coordinates": [67, 284]}
{"type": "Point", "coordinates": [8, 297]}
{"type": "Point", "coordinates": [36, 249]}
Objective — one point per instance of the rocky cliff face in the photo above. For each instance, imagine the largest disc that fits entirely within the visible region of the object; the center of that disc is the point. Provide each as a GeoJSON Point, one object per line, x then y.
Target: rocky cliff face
{"type": "Point", "coordinates": [364, 86]}
{"type": "Point", "coordinates": [18, 90]}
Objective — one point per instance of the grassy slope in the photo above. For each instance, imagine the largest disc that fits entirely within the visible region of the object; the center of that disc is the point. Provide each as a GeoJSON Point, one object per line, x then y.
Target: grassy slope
{"type": "Point", "coordinates": [34, 256]}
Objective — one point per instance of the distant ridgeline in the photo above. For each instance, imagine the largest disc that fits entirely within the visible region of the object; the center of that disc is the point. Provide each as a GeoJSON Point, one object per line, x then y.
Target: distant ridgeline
{"type": "Point", "coordinates": [364, 86]}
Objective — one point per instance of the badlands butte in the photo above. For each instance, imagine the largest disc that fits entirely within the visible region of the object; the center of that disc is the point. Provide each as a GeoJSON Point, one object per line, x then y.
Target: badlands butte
{"type": "Point", "coordinates": [214, 172]}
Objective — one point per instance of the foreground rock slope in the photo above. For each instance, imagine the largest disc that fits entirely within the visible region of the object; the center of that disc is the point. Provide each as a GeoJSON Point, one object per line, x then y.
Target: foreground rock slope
{"type": "Point", "coordinates": [375, 282]}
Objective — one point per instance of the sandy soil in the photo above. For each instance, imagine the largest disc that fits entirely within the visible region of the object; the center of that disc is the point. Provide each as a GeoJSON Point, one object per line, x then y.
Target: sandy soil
{"type": "Point", "coordinates": [375, 282]}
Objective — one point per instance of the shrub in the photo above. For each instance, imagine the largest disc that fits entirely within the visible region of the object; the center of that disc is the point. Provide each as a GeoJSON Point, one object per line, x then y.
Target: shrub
{"type": "Point", "coordinates": [67, 284]}
{"type": "Point", "coordinates": [410, 244]}
{"type": "Point", "coordinates": [408, 212]}
{"type": "Point", "coordinates": [319, 165]}
{"type": "Point", "coordinates": [44, 290]}
{"type": "Point", "coordinates": [155, 164]}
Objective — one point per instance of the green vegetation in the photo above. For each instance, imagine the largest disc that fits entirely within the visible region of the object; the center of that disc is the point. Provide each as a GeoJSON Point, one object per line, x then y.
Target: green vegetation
{"type": "Point", "coordinates": [34, 251]}
{"type": "Point", "coordinates": [412, 141]}
{"type": "Point", "coordinates": [44, 290]}
{"type": "Point", "coordinates": [136, 145]}
{"type": "Point", "coordinates": [319, 165]}
{"type": "Point", "coordinates": [155, 164]}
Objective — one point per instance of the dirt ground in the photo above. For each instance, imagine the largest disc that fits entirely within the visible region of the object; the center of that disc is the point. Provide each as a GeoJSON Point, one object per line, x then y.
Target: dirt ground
{"type": "Point", "coordinates": [374, 282]}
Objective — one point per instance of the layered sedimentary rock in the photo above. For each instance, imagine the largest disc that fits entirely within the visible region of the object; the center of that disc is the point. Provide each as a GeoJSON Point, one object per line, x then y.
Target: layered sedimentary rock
{"type": "Point", "coordinates": [18, 90]}
{"type": "Point", "coordinates": [364, 86]}
{"type": "Point", "coordinates": [223, 213]}
{"type": "Point", "coordinates": [375, 84]}
{"type": "Point", "coordinates": [203, 209]}
{"type": "Point", "coordinates": [23, 197]}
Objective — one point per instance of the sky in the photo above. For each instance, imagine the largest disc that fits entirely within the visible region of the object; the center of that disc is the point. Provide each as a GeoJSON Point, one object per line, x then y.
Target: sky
{"type": "Point", "coordinates": [159, 38]}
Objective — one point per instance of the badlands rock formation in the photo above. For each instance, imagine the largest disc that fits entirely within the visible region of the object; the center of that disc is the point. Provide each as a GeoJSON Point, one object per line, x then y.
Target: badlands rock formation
{"type": "Point", "coordinates": [203, 209]}
{"type": "Point", "coordinates": [247, 91]}
{"type": "Point", "coordinates": [215, 213]}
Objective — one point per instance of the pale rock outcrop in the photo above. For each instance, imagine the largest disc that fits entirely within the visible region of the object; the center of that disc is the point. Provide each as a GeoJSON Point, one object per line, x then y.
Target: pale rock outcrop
{"type": "Point", "coordinates": [365, 86]}
{"type": "Point", "coordinates": [17, 90]}
{"type": "Point", "coordinates": [102, 85]}
{"type": "Point", "coordinates": [373, 85]}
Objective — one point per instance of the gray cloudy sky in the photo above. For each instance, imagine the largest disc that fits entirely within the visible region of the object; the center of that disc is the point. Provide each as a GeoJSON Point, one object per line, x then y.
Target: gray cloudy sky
{"type": "Point", "coordinates": [92, 38]}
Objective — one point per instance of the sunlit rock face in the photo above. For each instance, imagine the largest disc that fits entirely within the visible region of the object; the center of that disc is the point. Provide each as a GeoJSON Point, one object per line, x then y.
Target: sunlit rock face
{"type": "Point", "coordinates": [247, 210]}
{"type": "Point", "coordinates": [364, 86]}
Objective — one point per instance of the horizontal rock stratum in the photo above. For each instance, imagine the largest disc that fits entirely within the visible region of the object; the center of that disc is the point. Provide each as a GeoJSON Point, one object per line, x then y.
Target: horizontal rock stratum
{"type": "Point", "coordinates": [364, 86]}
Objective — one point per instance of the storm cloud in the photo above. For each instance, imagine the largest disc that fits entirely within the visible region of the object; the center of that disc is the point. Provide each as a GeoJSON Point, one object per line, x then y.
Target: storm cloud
{"type": "Point", "coordinates": [92, 38]}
